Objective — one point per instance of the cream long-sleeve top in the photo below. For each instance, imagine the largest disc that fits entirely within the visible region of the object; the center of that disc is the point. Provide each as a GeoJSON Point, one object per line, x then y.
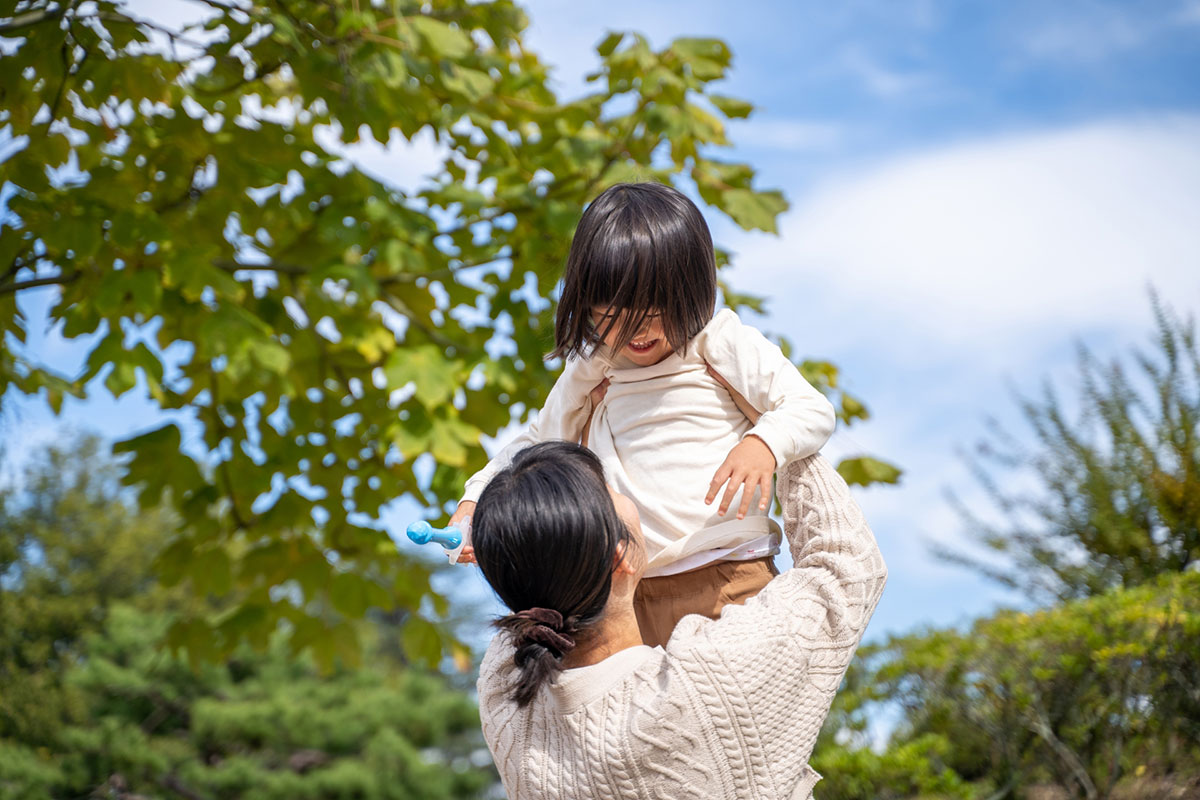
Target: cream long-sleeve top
{"type": "Point", "coordinates": [662, 431]}
{"type": "Point", "coordinates": [731, 707]}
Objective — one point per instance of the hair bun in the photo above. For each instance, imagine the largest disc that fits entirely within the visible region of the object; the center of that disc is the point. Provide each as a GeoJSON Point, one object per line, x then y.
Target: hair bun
{"type": "Point", "coordinates": [543, 626]}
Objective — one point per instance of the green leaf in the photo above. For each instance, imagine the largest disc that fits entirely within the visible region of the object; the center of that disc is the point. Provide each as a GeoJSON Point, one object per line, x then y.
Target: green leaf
{"type": "Point", "coordinates": [422, 641]}
{"type": "Point", "coordinates": [158, 463]}
{"type": "Point", "coordinates": [691, 48]}
{"type": "Point", "coordinates": [865, 471]}
{"type": "Point", "coordinates": [753, 210]}
{"type": "Point", "coordinates": [852, 409]}
{"type": "Point", "coordinates": [435, 376]}
{"type": "Point", "coordinates": [348, 593]}
{"type": "Point", "coordinates": [731, 106]}
{"type": "Point", "coordinates": [443, 39]}
{"type": "Point", "coordinates": [471, 83]}
{"type": "Point", "coordinates": [210, 571]}
{"type": "Point", "coordinates": [609, 43]}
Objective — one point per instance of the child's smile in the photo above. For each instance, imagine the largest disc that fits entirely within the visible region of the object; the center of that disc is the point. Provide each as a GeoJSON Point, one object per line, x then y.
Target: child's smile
{"type": "Point", "coordinates": [648, 346]}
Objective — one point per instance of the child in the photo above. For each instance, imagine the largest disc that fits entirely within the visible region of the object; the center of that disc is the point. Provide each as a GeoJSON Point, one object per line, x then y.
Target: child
{"type": "Point", "coordinates": [645, 384]}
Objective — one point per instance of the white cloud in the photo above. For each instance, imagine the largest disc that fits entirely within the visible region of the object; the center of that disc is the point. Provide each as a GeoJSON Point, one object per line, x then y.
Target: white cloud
{"type": "Point", "coordinates": [1091, 35]}
{"type": "Point", "coordinates": [1089, 31]}
{"type": "Point", "coordinates": [787, 134]}
{"type": "Point", "coordinates": [882, 80]}
{"type": "Point", "coordinates": [1003, 241]}
{"type": "Point", "coordinates": [1189, 14]}
{"type": "Point", "coordinates": [940, 280]}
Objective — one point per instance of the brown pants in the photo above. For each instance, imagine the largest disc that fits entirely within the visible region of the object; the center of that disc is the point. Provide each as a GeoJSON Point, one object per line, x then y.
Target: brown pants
{"type": "Point", "coordinates": [662, 602]}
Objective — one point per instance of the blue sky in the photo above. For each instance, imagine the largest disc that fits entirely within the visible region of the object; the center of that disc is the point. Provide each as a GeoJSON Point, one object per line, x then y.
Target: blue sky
{"type": "Point", "coordinates": [975, 187]}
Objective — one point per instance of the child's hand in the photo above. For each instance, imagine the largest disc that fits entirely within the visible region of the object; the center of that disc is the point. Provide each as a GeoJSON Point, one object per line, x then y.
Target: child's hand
{"type": "Point", "coordinates": [749, 464]}
{"type": "Point", "coordinates": [465, 509]}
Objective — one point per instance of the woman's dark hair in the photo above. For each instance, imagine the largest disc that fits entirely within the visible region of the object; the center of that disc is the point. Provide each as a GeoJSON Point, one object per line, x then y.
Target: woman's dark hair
{"type": "Point", "coordinates": [639, 248]}
{"type": "Point", "coordinates": [546, 535]}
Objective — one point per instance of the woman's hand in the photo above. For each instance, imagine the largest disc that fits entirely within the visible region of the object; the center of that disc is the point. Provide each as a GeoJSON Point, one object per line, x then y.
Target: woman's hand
{"type": "Point", "coordinates": [465, 509]}
{"type": "Point", "coordinates": [596, 395]}
{"type": "Point", "coordinates": [743, 405]}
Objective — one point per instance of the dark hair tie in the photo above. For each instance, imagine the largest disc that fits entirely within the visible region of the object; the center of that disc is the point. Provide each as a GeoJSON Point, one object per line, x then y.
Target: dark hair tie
{"type": "Point", "coordinates": [546, 630]}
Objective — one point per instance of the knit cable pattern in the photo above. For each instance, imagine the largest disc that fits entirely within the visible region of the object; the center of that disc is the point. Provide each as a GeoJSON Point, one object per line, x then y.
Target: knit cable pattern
{"type": "Point", "coordinates": [732, 707]}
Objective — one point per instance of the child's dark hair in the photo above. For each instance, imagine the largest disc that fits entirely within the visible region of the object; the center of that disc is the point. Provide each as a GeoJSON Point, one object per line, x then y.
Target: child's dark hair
{"type": "Point", "coordinates": [546, 536]}
{"type": "Point", "coordinates": [639, 248]}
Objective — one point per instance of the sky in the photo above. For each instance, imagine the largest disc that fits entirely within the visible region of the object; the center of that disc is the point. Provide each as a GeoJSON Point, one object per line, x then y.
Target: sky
{"type": "Point", "coordinates": [976, 188]}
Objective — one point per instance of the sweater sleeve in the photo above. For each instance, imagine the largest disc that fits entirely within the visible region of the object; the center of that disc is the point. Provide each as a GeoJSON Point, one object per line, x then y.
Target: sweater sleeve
{"type": "Point", "coordinates": [796, 420]}
{"type": "Point", "coordinates": [562, 417]}
{"type": "Point", "coordinates": [779, 659]}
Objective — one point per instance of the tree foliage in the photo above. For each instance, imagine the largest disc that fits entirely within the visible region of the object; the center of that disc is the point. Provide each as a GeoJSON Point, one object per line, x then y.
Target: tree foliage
{"type": "Point", "coordinates": [91, 706]}
{"type": "Point", "coordinates": [1115, 471]}
{"type": "Point", "coordinates": [332, 341]}
{"type": "Point", "coordinates": [1081, 696]}
{"type": "Point", "coordinates": [1095, 695]}
{"type": "Point", "coordinates": [68, 550]}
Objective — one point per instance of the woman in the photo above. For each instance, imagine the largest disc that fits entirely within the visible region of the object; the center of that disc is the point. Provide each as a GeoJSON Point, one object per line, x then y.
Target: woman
{"type": "Point", "coordinates": [573, 705]}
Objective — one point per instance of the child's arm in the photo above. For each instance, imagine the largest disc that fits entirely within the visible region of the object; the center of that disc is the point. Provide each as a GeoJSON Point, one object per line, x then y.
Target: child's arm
{"type": "Point", "coordinates": [562, 417]}
{"type": "Point", "coordinates": [795, 421]}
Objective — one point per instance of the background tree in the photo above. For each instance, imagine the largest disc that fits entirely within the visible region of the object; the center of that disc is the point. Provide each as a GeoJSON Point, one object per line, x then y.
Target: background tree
{"type": "Point", "coordinates": [334, 341]}
{"type": "Point", "coordinates": [1093, 698]}
{"type": "Point", "coordinates": [1116, 468]}
{"type": "Point", "coordinates": [68, 550]}
{"type": "Point", "coordinates": [1096, 694]}
{"type": "Point", "coordinates": [91, 705]}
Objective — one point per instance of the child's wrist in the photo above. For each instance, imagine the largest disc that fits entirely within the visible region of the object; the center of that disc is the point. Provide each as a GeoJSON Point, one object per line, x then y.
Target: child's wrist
{"type": "Point", "coordinates": [761, 441]}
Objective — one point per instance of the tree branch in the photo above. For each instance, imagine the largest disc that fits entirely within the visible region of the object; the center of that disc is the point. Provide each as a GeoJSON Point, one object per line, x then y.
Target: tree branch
{"type": "Point", "coordinates": [16, 286]}
{"type": "Point", "coordinates": [262, 72]}
{"type": "Point", "coordinates": [418, 323]}
{"type": "Point", "coordinates": [223, 467]}
{"type": "Point", "coordinates": [31, 18]}
{"type": "Point", "coordinates": [304, 24]}
{"type": "Point", "coordinates": [172, 782]}
{"type": "Point", "coordinates": [1041, 727]}
{"type": "Point", "coordinates": [229, 265]}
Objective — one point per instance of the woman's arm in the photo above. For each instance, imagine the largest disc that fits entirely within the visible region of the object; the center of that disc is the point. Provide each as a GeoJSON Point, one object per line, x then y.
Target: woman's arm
{"type": "Point", "coordinates": [781, 656]}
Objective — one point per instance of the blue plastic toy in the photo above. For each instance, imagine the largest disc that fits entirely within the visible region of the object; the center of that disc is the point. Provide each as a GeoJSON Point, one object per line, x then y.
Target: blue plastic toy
{"type": "Point", "coordinates": [452, 538]}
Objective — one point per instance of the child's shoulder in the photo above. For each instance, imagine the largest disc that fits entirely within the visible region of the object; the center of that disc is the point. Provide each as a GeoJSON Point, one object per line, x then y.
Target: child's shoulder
{"type": "Point", "coordinates": [725, 327]}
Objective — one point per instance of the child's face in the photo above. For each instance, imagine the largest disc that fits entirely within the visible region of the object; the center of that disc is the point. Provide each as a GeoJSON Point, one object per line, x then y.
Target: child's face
{"type": "Point", "coordinates": [649, 344]}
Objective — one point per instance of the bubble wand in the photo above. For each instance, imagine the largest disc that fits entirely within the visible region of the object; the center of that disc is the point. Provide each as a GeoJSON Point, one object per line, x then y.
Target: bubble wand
{"type": "Point", "coordinates": [452, 538]}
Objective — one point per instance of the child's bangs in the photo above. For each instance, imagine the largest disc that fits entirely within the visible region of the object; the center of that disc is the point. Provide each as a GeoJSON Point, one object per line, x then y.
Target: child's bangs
{"type": "Point", "coordinates": [639, 249]}
{"type": "Point", "coordinates": [624, 282]}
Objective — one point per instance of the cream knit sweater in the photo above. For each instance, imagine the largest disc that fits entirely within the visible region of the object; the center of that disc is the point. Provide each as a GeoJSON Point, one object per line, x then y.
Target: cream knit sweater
{"type": "Point", "coordinates": [731, 708]}
{"type": "Point", "coordinates": [661, 432]}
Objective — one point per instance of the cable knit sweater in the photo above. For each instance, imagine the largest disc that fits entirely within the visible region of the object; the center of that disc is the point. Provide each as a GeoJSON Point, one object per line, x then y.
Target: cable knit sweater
{"type": "Point", "coordinates": [731, 707]}
{"type": "Point", "coordinates": [662, 430]}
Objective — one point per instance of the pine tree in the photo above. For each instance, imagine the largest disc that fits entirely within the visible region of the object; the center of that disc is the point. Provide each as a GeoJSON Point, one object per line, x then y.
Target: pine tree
{"type": "Point", "coordinates": [1116, 471]}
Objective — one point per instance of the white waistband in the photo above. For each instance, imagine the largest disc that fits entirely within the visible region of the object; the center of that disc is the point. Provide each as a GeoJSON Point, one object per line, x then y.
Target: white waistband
{"type": "Point", "coordinates": [725, 535]}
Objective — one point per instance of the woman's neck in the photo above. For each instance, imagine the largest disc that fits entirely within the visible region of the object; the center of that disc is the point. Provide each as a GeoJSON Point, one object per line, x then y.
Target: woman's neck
{"type": "Point", "coordinates": [616, 631]}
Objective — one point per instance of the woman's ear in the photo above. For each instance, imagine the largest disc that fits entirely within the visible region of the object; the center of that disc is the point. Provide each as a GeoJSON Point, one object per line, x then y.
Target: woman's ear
{"type": "Point", "coordinates": [621, 564]}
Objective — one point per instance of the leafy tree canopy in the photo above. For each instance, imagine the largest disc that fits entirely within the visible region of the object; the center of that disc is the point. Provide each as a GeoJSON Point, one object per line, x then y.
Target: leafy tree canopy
{"type": "Point", "coordinates": [334, 341]}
